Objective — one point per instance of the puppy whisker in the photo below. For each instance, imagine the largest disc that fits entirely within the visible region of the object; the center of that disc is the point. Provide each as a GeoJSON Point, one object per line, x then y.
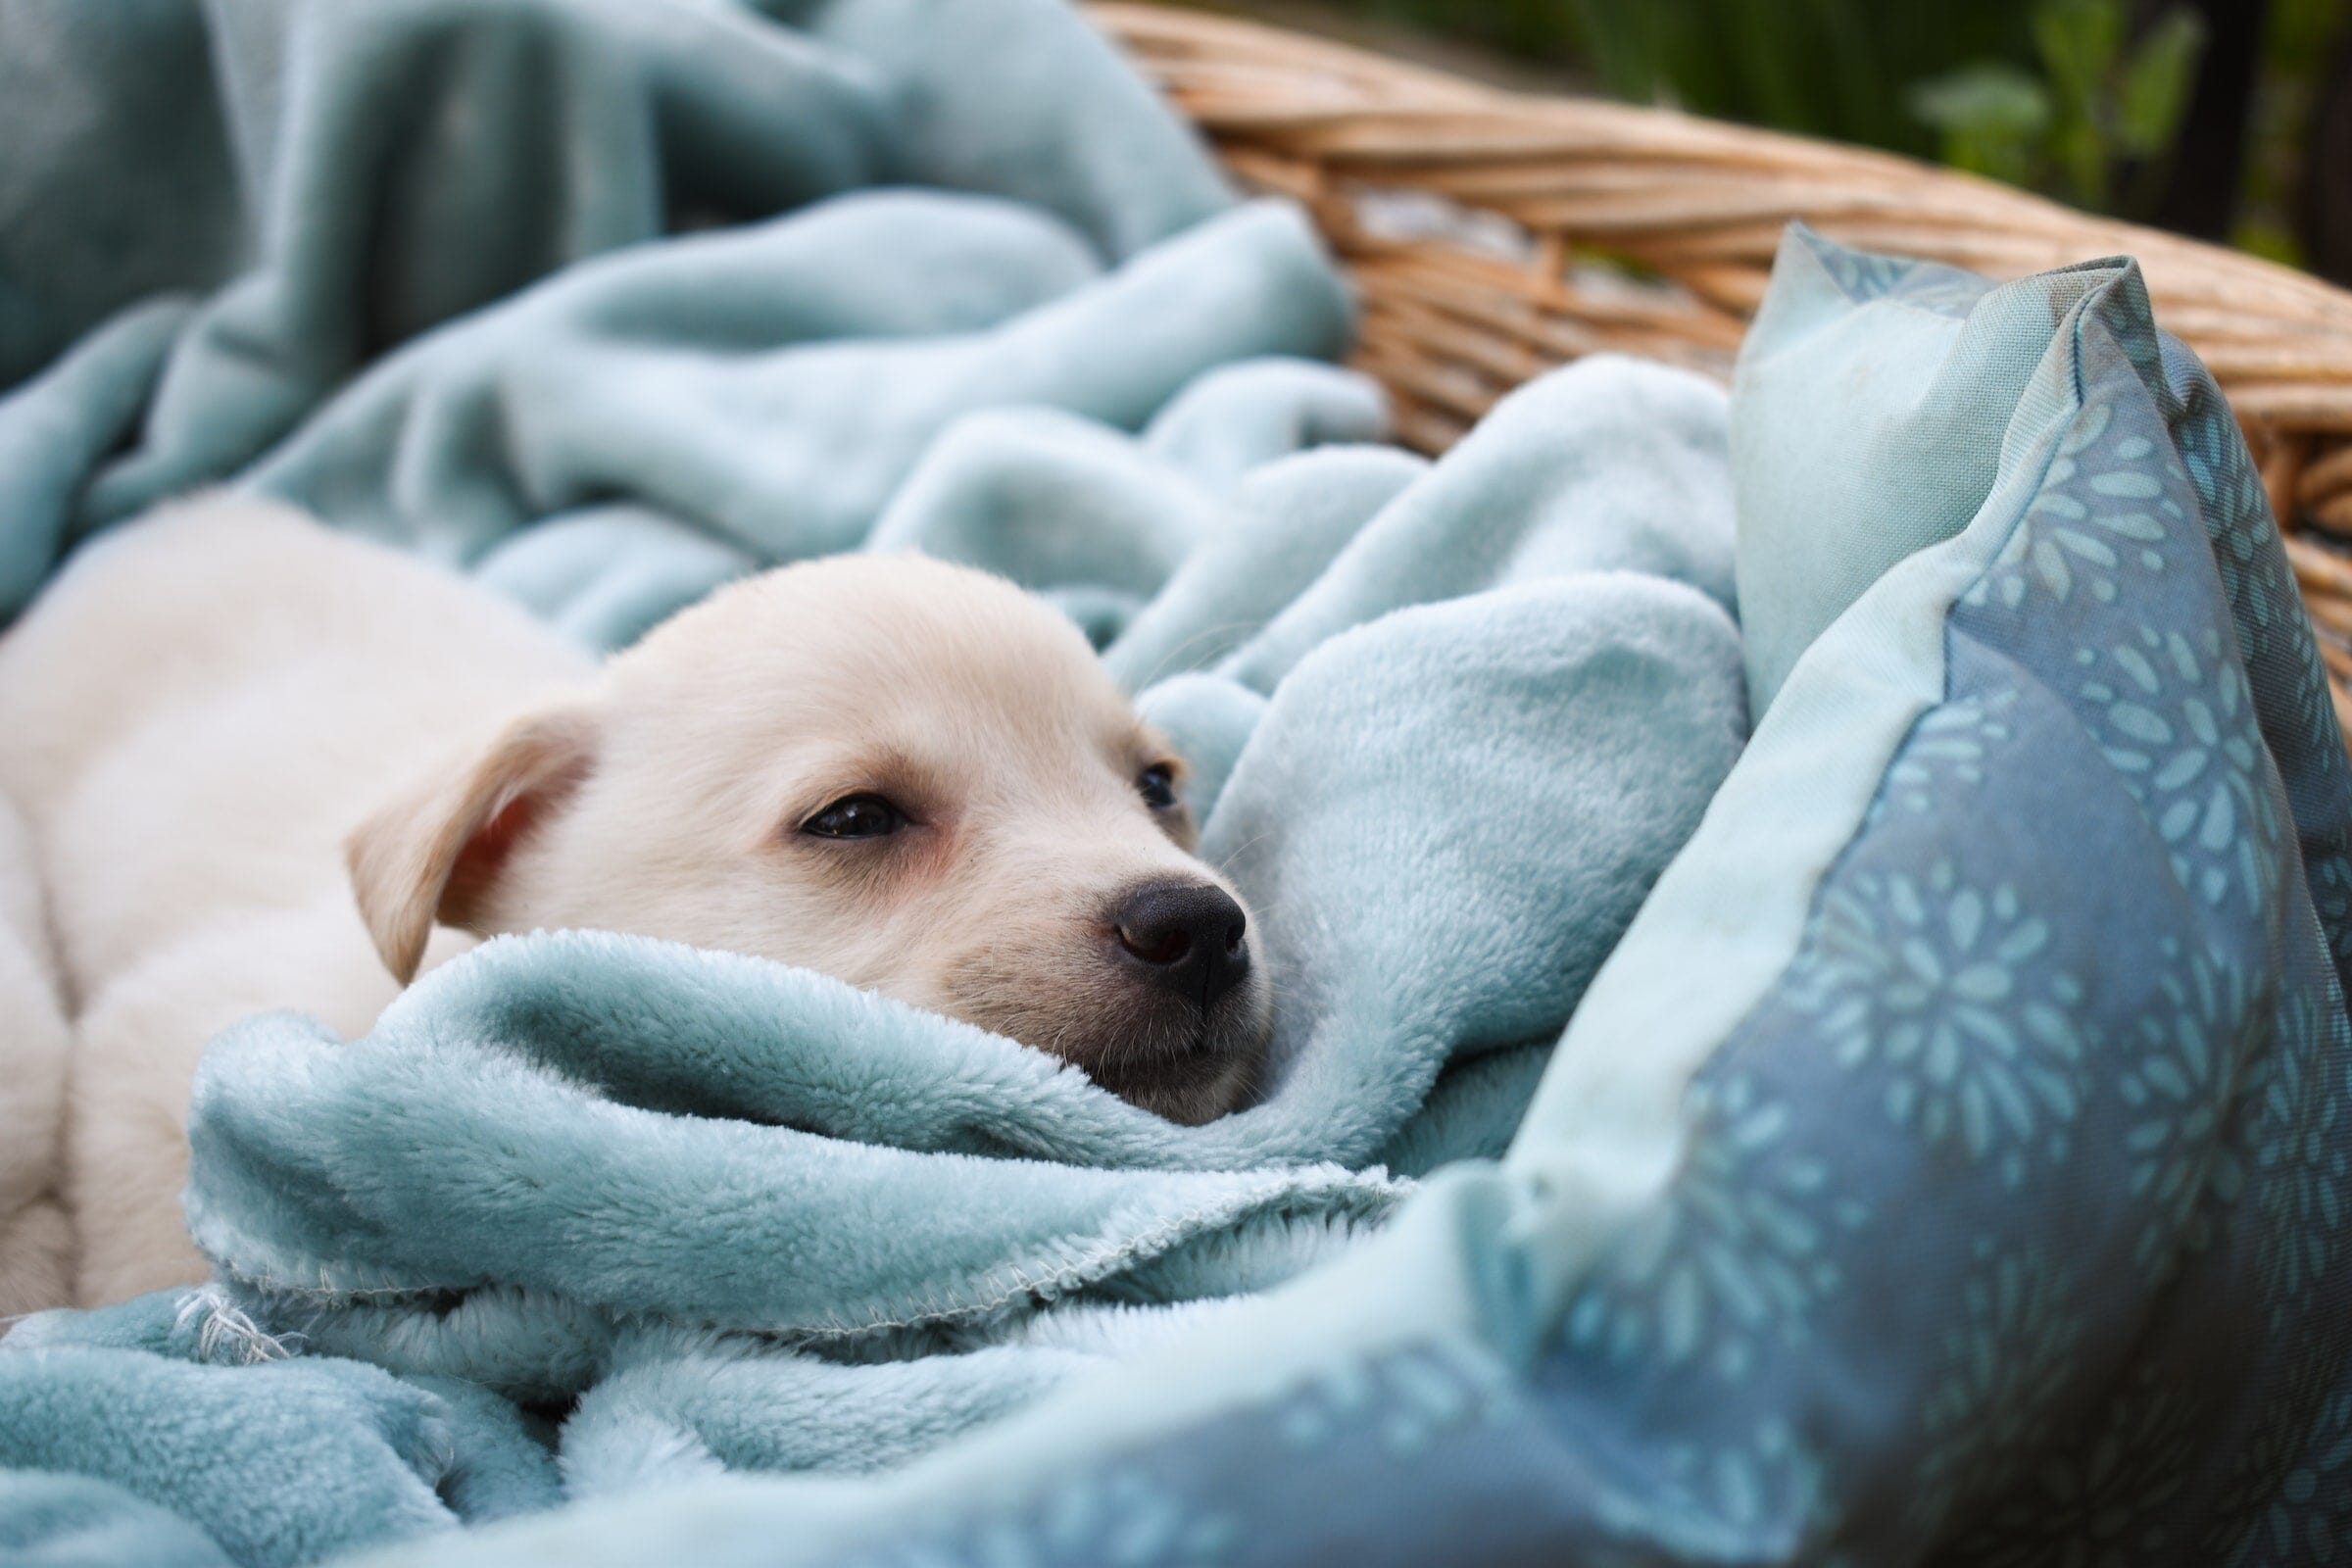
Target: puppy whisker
{"type": "Point", "coordinates": [1159, 671]}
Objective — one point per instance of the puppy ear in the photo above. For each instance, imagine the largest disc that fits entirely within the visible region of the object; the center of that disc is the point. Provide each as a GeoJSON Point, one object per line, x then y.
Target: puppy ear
{"type": "Point", "coordinates": [433, 855]}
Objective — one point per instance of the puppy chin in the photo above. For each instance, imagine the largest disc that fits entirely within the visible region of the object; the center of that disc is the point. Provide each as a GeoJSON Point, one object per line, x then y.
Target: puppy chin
{"type": "Point", "coordinates": [1153, 1051]}
{"type": "Point", "coordinates": [1189, 1070]}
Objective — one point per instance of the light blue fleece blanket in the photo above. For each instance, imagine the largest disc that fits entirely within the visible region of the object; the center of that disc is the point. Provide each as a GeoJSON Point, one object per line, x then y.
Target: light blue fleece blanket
{"type": "Point", "coordinates": [584, 1215]}
{"type": "Point", "coordinates": [708, 1212]}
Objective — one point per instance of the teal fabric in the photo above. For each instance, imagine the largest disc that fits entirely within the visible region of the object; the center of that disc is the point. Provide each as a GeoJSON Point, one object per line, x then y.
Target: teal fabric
{"type": "Point", "coordinates": [1947, 1166]}
{"type": "Point", "coordinates": [730, 1215]}
{"type": "Point", "coordinates": [1906, 388]}
{"type": "Point", "coordinates": [794, 371]}
{"type": "Point", "coordinates": [593, 1214]}
{"type": "Point", "coordinates": [611, 302]}
{"type": "Point", "coordinates": [71, 1521]}
{"type": "Point", "coordinates": [356, 1454]}
{"type": "Point", "coordinates": [264, 232]}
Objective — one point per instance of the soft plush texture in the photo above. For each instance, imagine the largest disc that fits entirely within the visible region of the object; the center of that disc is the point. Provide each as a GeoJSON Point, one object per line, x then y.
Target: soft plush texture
{"type": "Point", "coordinates": [585, 1214]}
{"type": "Point", "coordinates": [1948, 1163]}
{"type": "Point", "coordinates": [276, 196]}
{"type": "Point", "coordinates": [50, 1520]}
{"type": "Point", "coordinates": [749, 1217]}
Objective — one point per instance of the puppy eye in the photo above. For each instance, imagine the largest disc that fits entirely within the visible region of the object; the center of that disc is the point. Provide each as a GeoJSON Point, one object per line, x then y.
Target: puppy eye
{"type": "Point", "coordinates": [1156, 784]}
{"type": "Point", "coordinates": [856, 817]}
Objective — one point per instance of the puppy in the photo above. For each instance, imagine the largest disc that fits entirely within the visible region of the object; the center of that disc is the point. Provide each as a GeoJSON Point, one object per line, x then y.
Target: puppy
{"type": "Point", "coordinates": [269, 766]}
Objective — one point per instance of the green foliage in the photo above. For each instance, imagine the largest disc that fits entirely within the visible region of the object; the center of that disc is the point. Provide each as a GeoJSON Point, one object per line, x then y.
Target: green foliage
{"type": "Point", "coordinates": [2152, 95]}
{"type": "Point", "coordinates": [1828, 68]}
{"type": "Point", "coordinates": [2062, 95]}
{"type": "Point", "coordinates": [2298, 38]}
{"type": "Point", "coordinates": [1994, 117]}
{"type": "Point", "coordinates": [2097, 112]}
{"type": "Point", "coordinates": [1831, 68]}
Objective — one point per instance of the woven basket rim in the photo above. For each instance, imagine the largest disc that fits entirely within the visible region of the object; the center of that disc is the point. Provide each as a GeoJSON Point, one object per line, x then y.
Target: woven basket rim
{"type": "Point", "coordinates": [1700, 206]}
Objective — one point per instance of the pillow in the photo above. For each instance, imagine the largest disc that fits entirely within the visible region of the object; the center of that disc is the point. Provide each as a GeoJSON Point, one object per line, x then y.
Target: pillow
{"type": "Point", "coordinates": [1988, 1196]}
{"type": "Point", "coordinates": [1834, 401]}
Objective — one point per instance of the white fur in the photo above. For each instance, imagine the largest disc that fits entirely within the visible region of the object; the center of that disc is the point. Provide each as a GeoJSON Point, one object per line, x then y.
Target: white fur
{"type": "Point", "coordinates": [197, 713]}
{"type": "Point", "coordinates": [35, 1239]}
{"type": "Point", "coordinates": [213, 713]}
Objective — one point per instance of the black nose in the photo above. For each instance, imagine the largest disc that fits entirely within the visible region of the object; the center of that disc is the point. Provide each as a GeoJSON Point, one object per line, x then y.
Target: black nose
{"type": "Point", "coordinates": [1184, 937]}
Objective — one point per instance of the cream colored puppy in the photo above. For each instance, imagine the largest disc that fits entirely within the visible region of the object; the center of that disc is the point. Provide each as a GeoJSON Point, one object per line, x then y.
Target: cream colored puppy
{"type": "Point", "coordinates": [224, 721]}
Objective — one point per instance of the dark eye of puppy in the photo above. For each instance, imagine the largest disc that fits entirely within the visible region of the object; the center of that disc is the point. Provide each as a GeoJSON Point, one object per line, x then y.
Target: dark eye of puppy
{"type": "Point", "coordinates": [1156, 784]}
{"type": "Point", "coordinates": [856, 817]}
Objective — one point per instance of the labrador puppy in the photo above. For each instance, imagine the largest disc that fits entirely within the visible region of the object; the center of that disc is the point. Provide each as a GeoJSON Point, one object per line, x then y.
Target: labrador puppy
{"type": "Point", "coordinates": [268, 765]}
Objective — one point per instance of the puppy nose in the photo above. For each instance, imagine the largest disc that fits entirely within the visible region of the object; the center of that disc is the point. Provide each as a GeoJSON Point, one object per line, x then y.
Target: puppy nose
{"type": "Point", "coordinates": [1185, 936]}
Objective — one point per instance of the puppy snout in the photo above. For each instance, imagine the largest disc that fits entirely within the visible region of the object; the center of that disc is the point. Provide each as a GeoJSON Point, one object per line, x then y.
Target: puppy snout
{"type": "Point", "coordinates": [1184, 937]}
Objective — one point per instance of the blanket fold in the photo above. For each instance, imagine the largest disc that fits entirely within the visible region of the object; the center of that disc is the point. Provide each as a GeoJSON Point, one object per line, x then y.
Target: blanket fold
{"type": "Point", "coordinates": [727, 1213]}
{"type": "Point", "coordinates": [593, 1213]}
{"type": "Point", "coordinates": [358, 174]}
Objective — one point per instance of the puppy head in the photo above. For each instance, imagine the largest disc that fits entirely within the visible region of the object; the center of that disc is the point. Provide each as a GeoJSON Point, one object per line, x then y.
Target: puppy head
{"type": "Point", "coordinates": [908, 774]}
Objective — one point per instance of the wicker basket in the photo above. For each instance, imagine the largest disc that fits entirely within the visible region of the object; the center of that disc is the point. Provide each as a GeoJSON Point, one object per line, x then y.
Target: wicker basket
{"type": "Point", "coordinates": [1472, 220]}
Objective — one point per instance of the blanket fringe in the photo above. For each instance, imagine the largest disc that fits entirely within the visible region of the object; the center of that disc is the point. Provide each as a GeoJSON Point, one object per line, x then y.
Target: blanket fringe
{"type": "Point", "coordinates": [224, 1332]}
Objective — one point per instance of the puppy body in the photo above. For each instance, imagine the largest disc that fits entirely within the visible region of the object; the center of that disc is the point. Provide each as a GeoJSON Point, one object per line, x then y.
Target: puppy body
{"type": "Point", "coordinates": [225, 720]}
{"type": "Point", "coordinates": [196, 715]}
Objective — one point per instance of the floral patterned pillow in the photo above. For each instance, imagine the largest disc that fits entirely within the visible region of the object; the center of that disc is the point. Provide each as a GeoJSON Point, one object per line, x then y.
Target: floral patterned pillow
{"type": "Point", "coordinates": [2012, 1217]}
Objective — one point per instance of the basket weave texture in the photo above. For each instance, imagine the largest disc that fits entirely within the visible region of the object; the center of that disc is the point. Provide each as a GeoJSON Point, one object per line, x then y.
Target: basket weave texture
{"type": "Point", "coordinates": [1488, 234]}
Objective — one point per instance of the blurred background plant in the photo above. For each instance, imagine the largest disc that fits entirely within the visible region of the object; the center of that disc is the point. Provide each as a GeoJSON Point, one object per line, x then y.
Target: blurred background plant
{"type": "Point", "coordinates": [2225, 118]}
{"type": "Point", "coordinates": [2095, 110]}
